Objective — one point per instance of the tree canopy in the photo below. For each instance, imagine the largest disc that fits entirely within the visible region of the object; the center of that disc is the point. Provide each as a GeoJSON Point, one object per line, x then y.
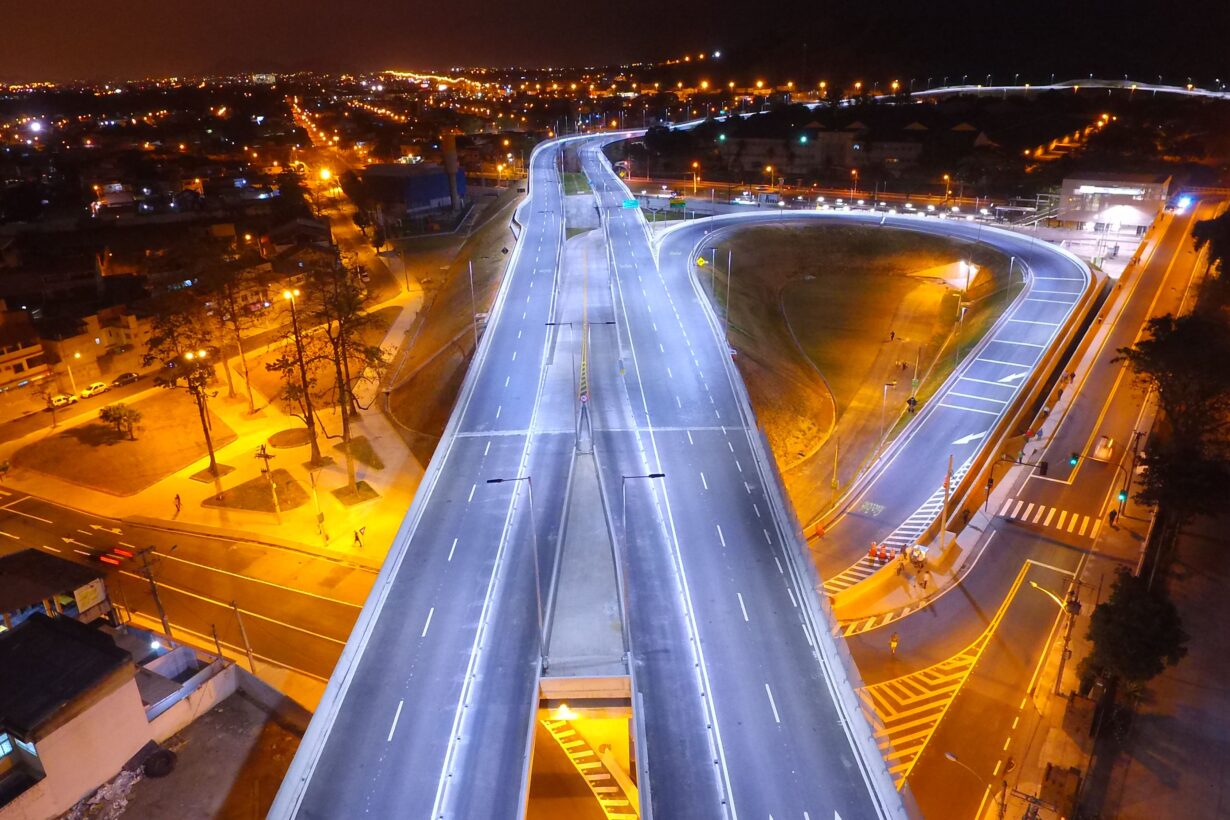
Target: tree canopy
{"type": "Point", "coordinates": [1136, 633]}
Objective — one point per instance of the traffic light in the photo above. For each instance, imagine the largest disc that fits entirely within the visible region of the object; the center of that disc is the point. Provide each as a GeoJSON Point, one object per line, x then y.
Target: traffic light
{"type": "Point", "coordinates": [1123, 496]}
{"type": "Point", "coordinates": [1074, 459]}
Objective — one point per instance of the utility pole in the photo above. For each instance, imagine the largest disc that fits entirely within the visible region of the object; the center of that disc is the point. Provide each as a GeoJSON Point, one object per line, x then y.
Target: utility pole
{"type": "Point", "coordinates": [217, 643]}
{"type": "Point", "coordinates": [947, 493]}
{"type": "Point", "coordinates": [148, 571]}
{"type": "Point", "coordinates": [473, 305]}
{"type": "Point", "coordinates": [244, 634]}
{"type": "Point", "coordinates": [729, 255]}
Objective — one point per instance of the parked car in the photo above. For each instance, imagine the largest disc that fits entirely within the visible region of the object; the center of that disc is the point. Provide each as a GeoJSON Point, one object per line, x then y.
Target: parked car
{"type": "Point", "coordinates": [125, 378]}
{"type": "Point", "coordinates": [63, 400]}
{"type": "Point", "coordinates": [93, 389]}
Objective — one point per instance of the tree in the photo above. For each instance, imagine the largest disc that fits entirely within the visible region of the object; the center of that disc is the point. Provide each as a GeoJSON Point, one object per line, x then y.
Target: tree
{"type": "Point", "coordinates": [46, 390]}
{"type": "Point", "coordinates": [336, 299]}
{"type": "Point", "coordinates": [180, 338]}
{"type": "Point", "coordinates": [1136, 633]}
{"type": "Point", "coordinates": [224, 284]}
{"type": "Point", "coordinates": [1185, 359]}
{"type": "Point", "coordinates": [298, 365]}
{"type": "Point", "coordinates": [1183, 479]}
{"type": "Point", "coordinates": [1215, 233]}
{"type": "Point", "coordinates": [122, 417]}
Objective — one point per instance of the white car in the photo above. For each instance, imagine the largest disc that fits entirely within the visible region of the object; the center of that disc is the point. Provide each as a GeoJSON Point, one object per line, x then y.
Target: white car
{"type": "Point", "coordinates": [94, 389]}
{"type": "Point", "coordinates": [63, 400]}
{"type": "Point", "coordinates": [1105, 448]}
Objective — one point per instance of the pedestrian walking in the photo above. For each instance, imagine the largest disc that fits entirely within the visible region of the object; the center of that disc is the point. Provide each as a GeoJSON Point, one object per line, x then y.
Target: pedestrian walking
{"type": "Point", "coordinates": [892, 643]}
{"type": "Point", "coordinates": [358, 540]}
{"type": "Point", "coordinates": [1114, 514]}
{"type": "Point", "coordinates": [178, 504]}
{"type": "Point", "coordinates": [892, 334]}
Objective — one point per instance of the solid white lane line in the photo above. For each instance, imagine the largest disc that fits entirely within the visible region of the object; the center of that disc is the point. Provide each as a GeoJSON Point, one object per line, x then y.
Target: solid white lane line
{"type": "Point", "coordinates": [969, 409]}
{"type": "Point", "coordinates": [721, 537]}
{"type": "Point", "coordinates": [972, 396]}
{"type": "Point", "coordinates": [452, 549]}
{"type": "Point", "coordinates": [776, 717]}
{"type": "Point", "coordinates": [427, 625]}
{"type": "Point", "coordinates": [396, 715]}
{"type": "Point", "coordinates": [741, 606]}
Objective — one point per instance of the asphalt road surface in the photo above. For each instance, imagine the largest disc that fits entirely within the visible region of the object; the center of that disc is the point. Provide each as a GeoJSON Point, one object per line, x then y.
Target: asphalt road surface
{"type": "Point", "coordinates": [297, 608]}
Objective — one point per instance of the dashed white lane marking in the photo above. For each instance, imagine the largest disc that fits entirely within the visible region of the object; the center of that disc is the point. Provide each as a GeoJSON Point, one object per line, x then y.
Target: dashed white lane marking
{"type": "Point", "coordinates": [452, 549]}
{"type": "Point", "coordinates": [472, 489]}
{"type": "Point", "coordinates": [499, 410]}
{"type": "Point", "coordinates": [776, 717]}
{"type": "Point", "coordinates": [721, 537]}
{"type": "Point", "coordinates": [427, 625]}
{"type": "Point", "coordinates": [514, 356]}
{"type": "Point", "coordinates": [689, 432]}
{"type": "Point", "coordinates": [704, 483]}
{"type": "Point", "coordinates": [396, 715]}
{"type": "Point", "coordinates": [742, 607]}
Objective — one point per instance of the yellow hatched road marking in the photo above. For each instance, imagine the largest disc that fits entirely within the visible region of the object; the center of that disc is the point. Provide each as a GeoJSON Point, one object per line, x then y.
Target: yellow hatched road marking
{"type": "Point", "coordinates": [905, 711]}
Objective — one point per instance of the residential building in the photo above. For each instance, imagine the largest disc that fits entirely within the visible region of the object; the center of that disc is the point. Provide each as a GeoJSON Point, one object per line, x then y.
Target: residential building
{"type": "Point", "coordinates": [33, 582]}
{"type": "Point", "coordinates": [22, 360]}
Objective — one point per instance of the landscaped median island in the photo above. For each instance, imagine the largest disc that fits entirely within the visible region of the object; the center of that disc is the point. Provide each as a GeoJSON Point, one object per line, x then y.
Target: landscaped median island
{"type": "Point", "coordinates": [98, 455]}
{"type": "Point", "coordinates": [832, 323]}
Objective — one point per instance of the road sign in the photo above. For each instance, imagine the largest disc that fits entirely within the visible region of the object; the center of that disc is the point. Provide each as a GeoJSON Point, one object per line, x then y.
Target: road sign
{"type": "Point", "coordinates": [678, 204]}
{"type": "Point", "coordinates": [631, 204]}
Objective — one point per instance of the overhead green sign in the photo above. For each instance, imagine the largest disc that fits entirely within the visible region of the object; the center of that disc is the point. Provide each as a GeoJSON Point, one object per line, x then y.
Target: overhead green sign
{"type": "Point", "coordinates": [630, 203]}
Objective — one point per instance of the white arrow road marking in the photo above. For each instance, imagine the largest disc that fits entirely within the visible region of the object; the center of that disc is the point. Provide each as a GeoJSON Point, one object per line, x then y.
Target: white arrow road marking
{"type": "Point", "coordinates": [972, 437]}
{"type": "Point", "coordinates": [1013, 378]}
{"type": "Point", "coordinates": [73, 541]}
{"type": "Point", "coordinates": [115, 531]}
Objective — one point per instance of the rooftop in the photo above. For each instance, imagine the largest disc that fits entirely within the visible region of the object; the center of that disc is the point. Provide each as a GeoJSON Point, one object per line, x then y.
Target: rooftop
{"type": "Point", "coordinates": [49, 663]}
{"type": "Point", "coordinates": [29, 577]}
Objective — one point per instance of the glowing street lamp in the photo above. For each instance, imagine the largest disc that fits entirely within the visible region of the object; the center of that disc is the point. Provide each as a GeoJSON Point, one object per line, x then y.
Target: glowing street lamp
{"type": "Point", "coordinates": [695, 176]}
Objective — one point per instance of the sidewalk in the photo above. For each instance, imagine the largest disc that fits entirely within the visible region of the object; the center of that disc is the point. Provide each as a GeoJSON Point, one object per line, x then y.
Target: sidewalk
{"type": "Point", "coordinates": [297, 528]}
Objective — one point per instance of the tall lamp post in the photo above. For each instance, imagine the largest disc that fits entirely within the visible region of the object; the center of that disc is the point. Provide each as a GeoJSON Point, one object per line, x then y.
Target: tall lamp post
{"type": "Point", "coordinates": [1003, 793]}
{"type": "Point", "coordinates": [69, 366]}
{"type": "Point", "coordinates": [542, 643]}
{"type": "Point", "coordinates": [292, 296]}
{"type": "Point", "coordinates": [197, 377]}
{"type": "Point", "coordinates": [853, 182]}
{"type": "Point", "coordinates": [1071, 607]}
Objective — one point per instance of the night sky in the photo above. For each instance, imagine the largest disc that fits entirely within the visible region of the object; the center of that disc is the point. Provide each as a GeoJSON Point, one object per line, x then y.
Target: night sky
{"type": "Point", "coordinates": [76, 39]}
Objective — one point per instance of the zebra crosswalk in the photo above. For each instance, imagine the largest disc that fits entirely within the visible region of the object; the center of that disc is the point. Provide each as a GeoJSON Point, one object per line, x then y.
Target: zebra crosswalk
{"type": "Point", "coordinates": [1029, 512]}
{"type": "Point", "coordinates": [905, 711]}
{"type": "Point", "coordinates": [905, 536]}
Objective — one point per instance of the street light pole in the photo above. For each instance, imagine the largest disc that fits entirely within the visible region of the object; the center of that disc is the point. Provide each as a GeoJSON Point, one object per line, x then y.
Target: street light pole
{"type": "Point", "coordinates": [883, 403]}
{"type": "Point", "coordinates": [542, 649]}
{"type": "Point", "coordinates": [1071, 608]}
{"type": "Point", "coordinates": [1003, 794]}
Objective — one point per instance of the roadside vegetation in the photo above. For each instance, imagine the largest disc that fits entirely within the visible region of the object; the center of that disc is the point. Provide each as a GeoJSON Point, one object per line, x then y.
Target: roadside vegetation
{"type": "Point", "coordinates": [824, 316]}
{"type": "Point", "coordinates": [1137, 633]}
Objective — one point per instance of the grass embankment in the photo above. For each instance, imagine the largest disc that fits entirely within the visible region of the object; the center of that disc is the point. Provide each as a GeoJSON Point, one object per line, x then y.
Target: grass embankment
{"type": "Point", "coordinates": [427, 375]}
{"type": "Point", "coordinates": [824, 317]}
{"type": "Point", "coordinates": [94, 455]}
{"type": "Point", "coordinates": [575, 183]}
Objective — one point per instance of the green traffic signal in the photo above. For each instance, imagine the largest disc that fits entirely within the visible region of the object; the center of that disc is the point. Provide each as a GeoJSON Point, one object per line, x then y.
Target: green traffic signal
{"type": "Point", "coordinates": [1074, 459]}
{"type": "Point", "coordinates": [1122, 496]}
